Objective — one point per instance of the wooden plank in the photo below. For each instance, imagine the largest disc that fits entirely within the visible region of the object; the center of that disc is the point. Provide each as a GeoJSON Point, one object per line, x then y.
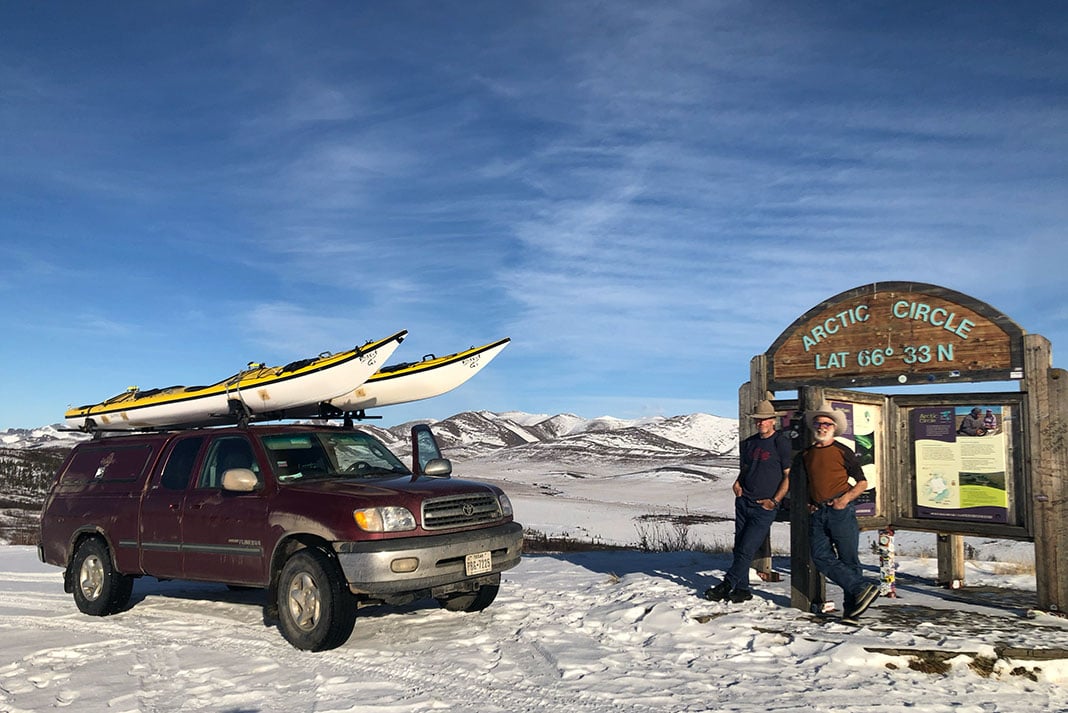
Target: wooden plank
{"type": "Point", "coordinates": [1029, 654]}
{"type": "Point", "coordinates": [1002, 652]}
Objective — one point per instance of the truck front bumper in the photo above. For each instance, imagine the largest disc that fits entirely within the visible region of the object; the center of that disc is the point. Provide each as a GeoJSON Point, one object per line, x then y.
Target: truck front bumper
{"type": "Point", "coordinates": [416, 563]}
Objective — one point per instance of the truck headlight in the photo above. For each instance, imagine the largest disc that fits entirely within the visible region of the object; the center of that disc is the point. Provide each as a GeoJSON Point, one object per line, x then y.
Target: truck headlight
{"type": "Point", "coordinates": [387, 519]}
{"type": "Point", "coordinates": [506, 505]}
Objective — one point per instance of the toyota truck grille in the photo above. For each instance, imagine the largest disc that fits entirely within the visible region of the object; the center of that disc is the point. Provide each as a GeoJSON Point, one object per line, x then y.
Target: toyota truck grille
{"type": "Point", "coordinates": [460, 511]}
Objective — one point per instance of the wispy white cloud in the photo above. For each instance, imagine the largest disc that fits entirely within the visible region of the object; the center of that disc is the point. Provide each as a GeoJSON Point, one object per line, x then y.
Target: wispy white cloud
{"type": "Point", "coordinates": [642, 195]}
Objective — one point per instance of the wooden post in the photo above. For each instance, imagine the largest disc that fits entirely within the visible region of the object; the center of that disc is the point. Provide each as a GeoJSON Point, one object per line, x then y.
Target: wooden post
{"type": "Point", "coordinates": [749, 395]}
{"type": "Point", "coordinates": [1047, 403]}
{"type": "Point", "coordinates": [950, 550]}
{"type": "Point", "coordinates": [806, 584]}
{"type": "Point", "coordinates": [752, 393]}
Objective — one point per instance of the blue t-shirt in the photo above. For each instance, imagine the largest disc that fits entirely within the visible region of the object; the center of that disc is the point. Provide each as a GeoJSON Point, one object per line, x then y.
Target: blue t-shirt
{"type": "Point", "coordinates": [763, 461]}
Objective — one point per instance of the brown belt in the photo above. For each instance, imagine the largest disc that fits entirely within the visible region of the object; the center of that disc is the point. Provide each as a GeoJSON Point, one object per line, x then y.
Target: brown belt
{"type": "Point", "coordinates": [827, 503]}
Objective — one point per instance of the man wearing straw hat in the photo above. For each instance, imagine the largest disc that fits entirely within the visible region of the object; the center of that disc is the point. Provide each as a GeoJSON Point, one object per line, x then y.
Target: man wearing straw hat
{"type": "Point", "coordinates": [833, 533]}
{"type": "Point", "coordinates": [761, 485]}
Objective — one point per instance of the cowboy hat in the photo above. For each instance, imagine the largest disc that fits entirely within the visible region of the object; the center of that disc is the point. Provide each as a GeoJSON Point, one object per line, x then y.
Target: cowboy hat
{"type": "Point", "coordinates": [839, 418]}
{"type": "Point", "coordinates": [765, 410]}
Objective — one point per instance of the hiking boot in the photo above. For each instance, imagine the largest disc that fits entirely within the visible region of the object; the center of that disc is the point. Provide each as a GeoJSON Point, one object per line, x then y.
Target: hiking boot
{"type": "Point", "coordinates": [864, 600]}
{"type": "Point", "coordinates": [740, 595]}
{"type": "Point", "coordinates": [719, 592]}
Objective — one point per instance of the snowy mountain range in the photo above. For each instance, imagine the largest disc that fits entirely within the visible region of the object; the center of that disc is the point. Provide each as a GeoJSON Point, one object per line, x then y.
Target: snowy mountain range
{"type": "Point", "coordinates": [30, 457]}
{"type": "Point", "coordinates": [520, 436]}
{"type": "Point", "coordinates": [526, 453]}
{"type": "Point", "coordinates": [568, 438]}
{"type": "Point", "coordinates": [43, 437]}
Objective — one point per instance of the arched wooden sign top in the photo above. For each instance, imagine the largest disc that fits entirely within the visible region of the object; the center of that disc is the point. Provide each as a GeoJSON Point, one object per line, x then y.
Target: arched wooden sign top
{"type": "Point", "coordinates": [896, 333]}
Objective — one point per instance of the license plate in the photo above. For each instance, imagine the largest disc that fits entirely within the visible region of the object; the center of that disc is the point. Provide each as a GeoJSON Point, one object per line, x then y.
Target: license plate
{"type": "Point", "coordinates": [478, 563]}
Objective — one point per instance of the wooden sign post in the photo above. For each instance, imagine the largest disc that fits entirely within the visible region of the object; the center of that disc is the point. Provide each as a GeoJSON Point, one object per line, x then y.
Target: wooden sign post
{"type": "Point", "coordinates": [1013, 484]}
{"type": "Point", "coordinates": [1048, 414]}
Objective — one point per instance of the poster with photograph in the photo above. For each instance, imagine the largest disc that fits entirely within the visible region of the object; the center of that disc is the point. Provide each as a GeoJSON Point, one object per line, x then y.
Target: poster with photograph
{"type": "Point", "coordinates": [864, 422]}
{"type": "Point", "coordinates": [961, 463]}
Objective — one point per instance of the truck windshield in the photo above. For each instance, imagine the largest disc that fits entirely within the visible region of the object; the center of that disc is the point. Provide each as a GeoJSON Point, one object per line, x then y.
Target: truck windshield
{"type": "Point", "coordinates": [330, 454]}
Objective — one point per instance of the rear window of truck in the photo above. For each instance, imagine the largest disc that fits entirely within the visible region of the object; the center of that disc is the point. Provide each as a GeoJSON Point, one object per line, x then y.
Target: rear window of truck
{"type": "Point", "coordinates": [109, 464]}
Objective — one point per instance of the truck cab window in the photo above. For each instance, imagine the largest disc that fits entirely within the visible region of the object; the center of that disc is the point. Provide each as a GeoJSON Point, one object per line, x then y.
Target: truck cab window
{"type": "Point", "coordinates": [224, 454]}
{"type": "Point", "coordinates": [180, 464]}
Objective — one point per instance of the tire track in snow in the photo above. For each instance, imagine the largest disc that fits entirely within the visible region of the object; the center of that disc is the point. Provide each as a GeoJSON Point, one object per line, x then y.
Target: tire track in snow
{"type": "Point", "coordinates": [166, 674]}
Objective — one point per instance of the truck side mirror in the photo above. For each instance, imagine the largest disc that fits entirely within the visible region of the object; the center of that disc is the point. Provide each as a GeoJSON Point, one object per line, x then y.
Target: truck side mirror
{"type": "Point", "coordinates": [240, 480]}
{"type": "Point", "coordinates": [438, 468]}
{"type": "Point", "coordinates": [424, 448]}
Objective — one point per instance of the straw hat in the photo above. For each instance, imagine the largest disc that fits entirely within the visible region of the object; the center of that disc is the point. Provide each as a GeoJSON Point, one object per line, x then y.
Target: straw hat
{"type": "Point", "coordinates": [765, 410]}
{"type": "Point", "coordinates": [839, 418]}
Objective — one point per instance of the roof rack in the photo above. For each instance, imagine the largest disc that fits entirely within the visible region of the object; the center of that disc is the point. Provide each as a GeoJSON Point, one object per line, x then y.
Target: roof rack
{"type": "Point", "coordinates": [329, 412]}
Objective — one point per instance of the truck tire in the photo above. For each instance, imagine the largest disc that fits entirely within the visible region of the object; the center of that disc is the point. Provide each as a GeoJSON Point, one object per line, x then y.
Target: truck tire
{"type": "Point", "coordinates": [471, 601]}
{"type": "Point", "coordinates": [99, 590]}
{"type": "Point", "coordinates": [315, 610]}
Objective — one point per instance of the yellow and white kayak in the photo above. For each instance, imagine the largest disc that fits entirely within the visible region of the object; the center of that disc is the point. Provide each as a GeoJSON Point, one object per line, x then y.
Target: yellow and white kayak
{"type": "Point", "coordinates": [411, 381]}
{"type": "Point", "coordinates": [257, 393]}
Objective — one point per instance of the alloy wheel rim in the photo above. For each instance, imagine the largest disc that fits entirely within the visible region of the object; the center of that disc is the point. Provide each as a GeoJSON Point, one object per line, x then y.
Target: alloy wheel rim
{"type": "Point", "coordinates": [305, 601]}
{"type": "Point", "coordinates": [91, 580]}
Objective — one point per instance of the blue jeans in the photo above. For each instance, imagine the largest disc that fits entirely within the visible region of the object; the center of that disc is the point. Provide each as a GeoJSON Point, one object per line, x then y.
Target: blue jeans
{"type": "Point", "coordinates": [751, 525]}
{"type": "Point", "coordinates": [833, 540]}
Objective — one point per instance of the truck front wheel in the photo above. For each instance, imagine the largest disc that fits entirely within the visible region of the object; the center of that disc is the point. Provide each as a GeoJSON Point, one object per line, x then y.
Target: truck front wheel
{"type": "Point", "coordinates": [99, 589]}
{"type": "Point", "coordinates": [315, 610]}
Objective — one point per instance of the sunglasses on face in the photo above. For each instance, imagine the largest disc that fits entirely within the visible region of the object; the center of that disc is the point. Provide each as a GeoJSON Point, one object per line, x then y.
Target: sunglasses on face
{"type": "Point", "coordinates": [823, 424]}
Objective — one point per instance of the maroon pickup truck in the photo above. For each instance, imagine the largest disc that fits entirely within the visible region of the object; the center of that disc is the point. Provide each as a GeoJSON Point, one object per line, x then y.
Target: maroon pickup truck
{"type": "Point", "coordinates": [325, 518]}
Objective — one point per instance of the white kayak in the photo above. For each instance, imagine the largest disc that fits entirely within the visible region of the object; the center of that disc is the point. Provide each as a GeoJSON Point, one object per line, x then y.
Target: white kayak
{"type": "Point", "coordinates": [412, 381]}
{"type": "Point", "coordinates": [258, 393]}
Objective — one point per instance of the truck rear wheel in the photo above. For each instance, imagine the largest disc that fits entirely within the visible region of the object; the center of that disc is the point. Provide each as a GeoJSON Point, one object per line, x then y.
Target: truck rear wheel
{"type": "Point", "coordinates": [99, 589]}
{"type": "Point", "coordinates": [315, 610]}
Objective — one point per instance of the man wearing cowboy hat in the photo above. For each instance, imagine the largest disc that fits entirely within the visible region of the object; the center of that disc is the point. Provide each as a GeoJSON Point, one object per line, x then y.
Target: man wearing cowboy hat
{"type": "Point", "coordinates": [833, 533]}
{"type": "Point", "coordinates": [759, 488]}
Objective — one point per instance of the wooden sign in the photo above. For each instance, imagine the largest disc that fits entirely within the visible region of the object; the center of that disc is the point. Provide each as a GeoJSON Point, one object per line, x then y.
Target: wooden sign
{"type": "Point", "coordinates": [896, 333]}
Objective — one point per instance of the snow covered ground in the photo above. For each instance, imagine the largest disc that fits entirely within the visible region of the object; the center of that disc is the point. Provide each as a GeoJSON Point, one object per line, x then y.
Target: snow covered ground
{"type": "Point", "coordinates": [578, 632]}
{"type": "Point", "coordinates": [597, 631]}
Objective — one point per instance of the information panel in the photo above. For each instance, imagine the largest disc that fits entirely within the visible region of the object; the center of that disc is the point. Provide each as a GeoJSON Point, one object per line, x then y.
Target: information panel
{"type": "Point", "coordinates": [962, 462]}
{"type": "Point", "coordinates": [896, 333]}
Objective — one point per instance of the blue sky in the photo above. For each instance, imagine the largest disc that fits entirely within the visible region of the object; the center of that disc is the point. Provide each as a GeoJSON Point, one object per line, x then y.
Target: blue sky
{"type": "Point", "coordinates": [641, 195]}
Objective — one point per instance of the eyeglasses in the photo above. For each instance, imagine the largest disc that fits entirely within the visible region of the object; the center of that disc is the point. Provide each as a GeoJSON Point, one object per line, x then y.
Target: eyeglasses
{"type": "Point", "coordinates": [823, 424]}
